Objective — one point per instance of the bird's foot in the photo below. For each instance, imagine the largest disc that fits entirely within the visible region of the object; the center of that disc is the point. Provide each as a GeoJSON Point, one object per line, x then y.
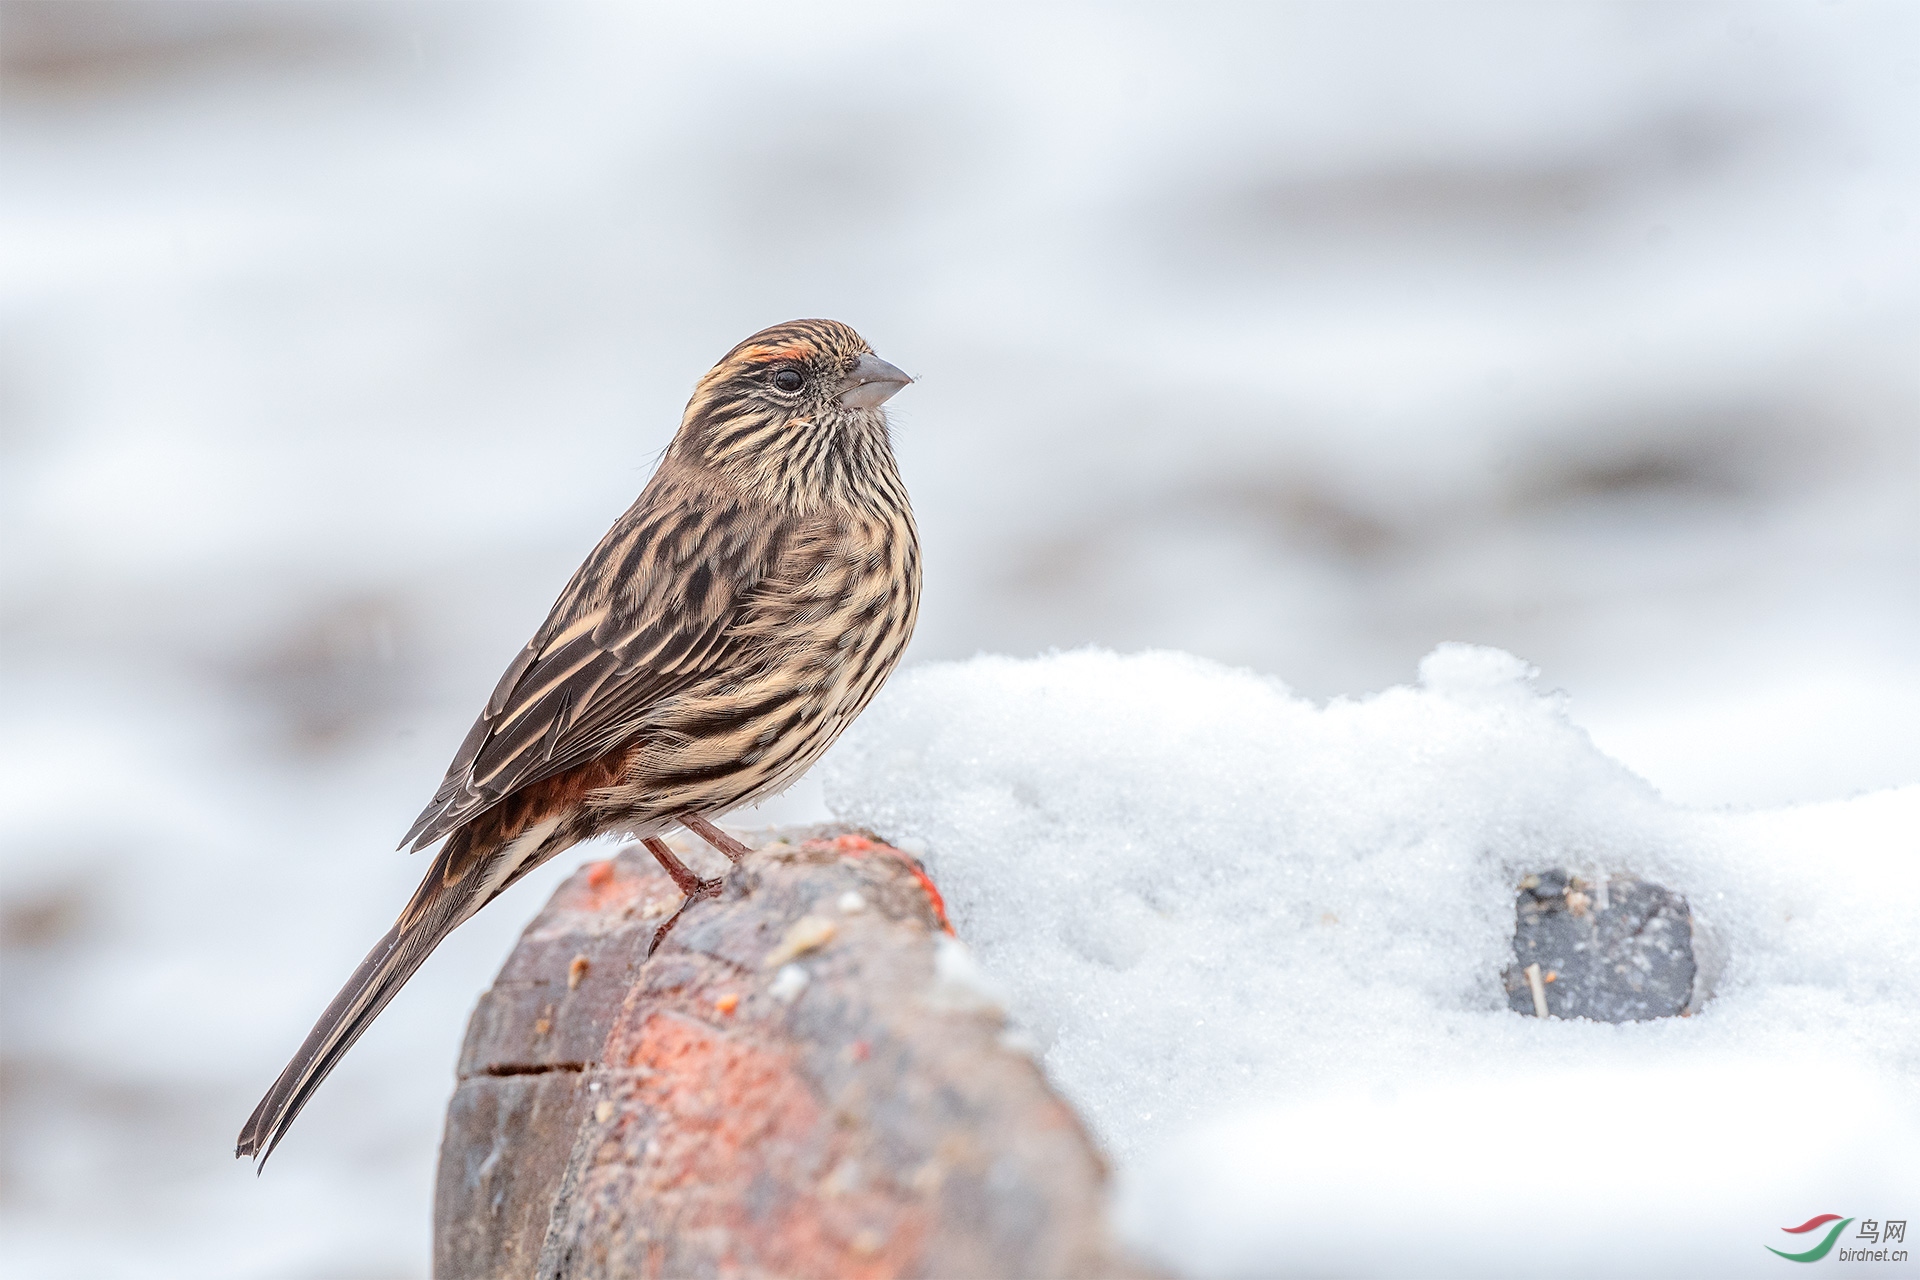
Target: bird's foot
{"type": "Point", "coordinates": [690, 884]}
{"type": "Point", "coordinates": [705, 889]}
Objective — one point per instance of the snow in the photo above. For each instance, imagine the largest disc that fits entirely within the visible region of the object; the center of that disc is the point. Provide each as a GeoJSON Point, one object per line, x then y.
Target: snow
{"type": "Point", "coordinates": [789, 982]}
{"type": "Point", "coordinates": [1258, 941]}
{"type": "Point", "coordinates": [960, 982]}
{"type": "Point", "coordinates": [1658, 1163]}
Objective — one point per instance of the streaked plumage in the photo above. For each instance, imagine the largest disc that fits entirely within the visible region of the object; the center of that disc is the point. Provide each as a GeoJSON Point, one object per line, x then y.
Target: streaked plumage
{"type": "Point", "coordinates": [725, 631]}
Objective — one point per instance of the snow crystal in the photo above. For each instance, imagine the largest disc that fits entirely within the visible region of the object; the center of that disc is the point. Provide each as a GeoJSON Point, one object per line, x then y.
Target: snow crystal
{"type": "Point", "coordinates": [1258, 942]}
{"type": "Point", "coordinates": [788, 983]}
{"type": "Point", "coordinates": [960, 983]}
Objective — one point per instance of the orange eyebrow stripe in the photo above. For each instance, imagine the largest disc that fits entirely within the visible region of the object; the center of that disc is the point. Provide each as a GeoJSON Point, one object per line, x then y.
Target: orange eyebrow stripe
{"type": "Point", "coordinates": [766, 355]}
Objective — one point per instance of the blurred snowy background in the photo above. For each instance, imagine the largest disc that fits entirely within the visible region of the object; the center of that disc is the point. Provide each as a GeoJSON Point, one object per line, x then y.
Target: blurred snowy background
{"type": "Point", "coordinates": [1299, 337]}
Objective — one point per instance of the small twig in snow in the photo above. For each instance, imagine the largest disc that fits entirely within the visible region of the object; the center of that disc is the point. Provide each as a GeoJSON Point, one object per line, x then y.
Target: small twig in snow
{"type": "Point", "coordinates": [1539, 990]}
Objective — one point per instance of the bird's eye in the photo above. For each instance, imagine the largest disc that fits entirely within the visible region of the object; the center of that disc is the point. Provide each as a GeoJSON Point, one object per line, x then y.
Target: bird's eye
{"type": "Point", "coordinates": [788, 380]}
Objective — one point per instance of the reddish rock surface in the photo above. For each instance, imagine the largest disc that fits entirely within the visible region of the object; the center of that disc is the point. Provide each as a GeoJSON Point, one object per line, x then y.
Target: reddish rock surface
{"type": "Point", "coordinates": [803, 1081]}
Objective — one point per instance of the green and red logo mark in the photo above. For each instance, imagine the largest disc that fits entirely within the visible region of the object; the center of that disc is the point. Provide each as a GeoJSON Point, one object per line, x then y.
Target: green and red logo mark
{"type": "Point", "coordinates": [1820, 1250]}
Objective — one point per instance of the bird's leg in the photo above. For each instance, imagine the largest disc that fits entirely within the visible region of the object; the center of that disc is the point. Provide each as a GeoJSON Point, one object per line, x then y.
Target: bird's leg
{"type": "Point", "coordinates": [713, 836]}
{"type": "Point", "coordinates": [690, 884]}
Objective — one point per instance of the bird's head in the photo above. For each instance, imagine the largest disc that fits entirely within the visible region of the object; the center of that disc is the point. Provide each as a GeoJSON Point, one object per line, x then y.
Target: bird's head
{"type": "Point", "coordinates": [793, 413]}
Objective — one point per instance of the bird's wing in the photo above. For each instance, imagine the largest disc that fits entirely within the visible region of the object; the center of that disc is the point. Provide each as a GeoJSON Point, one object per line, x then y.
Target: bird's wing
{"type": "Point", "coordinates": [657, 606]}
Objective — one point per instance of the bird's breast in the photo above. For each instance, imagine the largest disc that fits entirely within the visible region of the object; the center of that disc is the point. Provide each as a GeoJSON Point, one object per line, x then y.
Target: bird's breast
{"type": "Point", "coordinates": [828, 625]}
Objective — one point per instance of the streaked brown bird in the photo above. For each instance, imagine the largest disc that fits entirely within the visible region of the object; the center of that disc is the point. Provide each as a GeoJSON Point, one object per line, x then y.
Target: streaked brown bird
{"type": "Point", "coordinates": [726, 630]}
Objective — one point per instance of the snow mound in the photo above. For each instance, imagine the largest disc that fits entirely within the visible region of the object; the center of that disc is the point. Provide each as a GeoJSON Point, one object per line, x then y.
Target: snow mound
{"type": "Point", "coordinates": [1258, 941]}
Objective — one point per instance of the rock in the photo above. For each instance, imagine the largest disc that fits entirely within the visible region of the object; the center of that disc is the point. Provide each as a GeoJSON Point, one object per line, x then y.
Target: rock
{"type": "Point", "coordinates": [1621, 950]}
{"type": "Point", "coordinates": [788, 1087]}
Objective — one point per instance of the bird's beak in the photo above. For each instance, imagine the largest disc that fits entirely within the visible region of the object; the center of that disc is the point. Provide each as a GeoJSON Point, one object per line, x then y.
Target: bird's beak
{"type": "Point", "coordinates": [872, 382]}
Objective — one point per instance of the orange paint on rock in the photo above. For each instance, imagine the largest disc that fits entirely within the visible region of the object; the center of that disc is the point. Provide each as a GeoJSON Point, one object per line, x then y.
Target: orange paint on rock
{"type": "Point", "coordinates": [862, 846]}
{"type": "Point", "coordinates": [602, 887]}
{"type": "Point", "coordinates": [727, 1115]}
{"type": "Point", "coordinates": [734, 1094]}
{"type": "Point", "coordinates": [934, 899]}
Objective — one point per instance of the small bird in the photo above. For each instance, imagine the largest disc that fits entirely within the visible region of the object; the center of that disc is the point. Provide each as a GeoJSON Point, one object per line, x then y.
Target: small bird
{"type": "Point", "coordinates": [725, 631]}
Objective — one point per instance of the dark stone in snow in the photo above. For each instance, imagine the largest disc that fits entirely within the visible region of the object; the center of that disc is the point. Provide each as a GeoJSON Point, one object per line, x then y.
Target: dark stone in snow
{"type": "Point", "coordinates": [1613, 951]}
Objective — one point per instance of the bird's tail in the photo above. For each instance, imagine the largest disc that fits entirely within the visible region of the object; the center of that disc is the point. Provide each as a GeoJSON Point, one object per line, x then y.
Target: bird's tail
{"type": "Point", "coordinates": [462, 880]}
